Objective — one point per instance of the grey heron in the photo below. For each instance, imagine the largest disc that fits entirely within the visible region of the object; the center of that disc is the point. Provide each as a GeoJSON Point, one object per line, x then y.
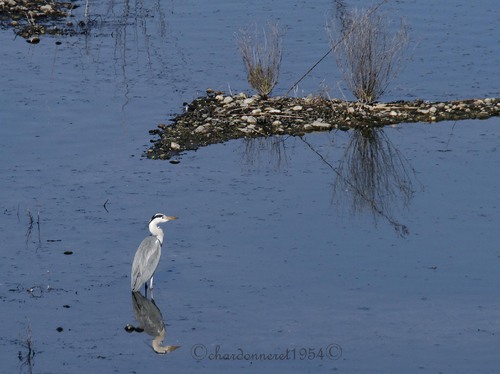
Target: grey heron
{"type": "Point", "coordinates": [148, 254]}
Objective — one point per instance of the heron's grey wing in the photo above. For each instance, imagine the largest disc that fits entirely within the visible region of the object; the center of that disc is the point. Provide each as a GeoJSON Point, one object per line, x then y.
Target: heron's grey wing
{"type": "Point", "coordinates": [146, 260]}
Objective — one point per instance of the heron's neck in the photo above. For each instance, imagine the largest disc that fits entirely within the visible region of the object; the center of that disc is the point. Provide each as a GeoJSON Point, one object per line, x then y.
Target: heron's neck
{"type": "Point", "coordinates": [156, 231]}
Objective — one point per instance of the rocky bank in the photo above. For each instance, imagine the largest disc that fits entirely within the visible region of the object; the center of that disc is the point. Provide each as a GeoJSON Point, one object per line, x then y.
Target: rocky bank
{"type": "Point", "coordinates": [217, 118]}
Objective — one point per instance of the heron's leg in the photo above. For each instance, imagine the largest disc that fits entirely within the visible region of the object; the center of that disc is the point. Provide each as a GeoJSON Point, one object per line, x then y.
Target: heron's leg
{"type": "Point", "coordinates": [151, 287]}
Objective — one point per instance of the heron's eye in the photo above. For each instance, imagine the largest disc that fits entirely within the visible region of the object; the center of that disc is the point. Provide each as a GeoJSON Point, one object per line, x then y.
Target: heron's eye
{"type": "Point", "coordinates": [157, 215]}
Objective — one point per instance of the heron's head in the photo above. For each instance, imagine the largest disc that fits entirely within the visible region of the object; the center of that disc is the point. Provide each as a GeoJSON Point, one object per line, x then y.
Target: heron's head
{"type": "Point", "coordinates": [160, 218]}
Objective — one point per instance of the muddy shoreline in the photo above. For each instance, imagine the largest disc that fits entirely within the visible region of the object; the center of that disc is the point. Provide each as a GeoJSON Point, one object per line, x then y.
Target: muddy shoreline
{"type": "Point", "coordinates": [216, 118]}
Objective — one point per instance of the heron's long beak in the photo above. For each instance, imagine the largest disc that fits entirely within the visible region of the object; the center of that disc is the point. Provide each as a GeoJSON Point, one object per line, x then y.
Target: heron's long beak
{"type": "Point", "coordinates": [170, 218]}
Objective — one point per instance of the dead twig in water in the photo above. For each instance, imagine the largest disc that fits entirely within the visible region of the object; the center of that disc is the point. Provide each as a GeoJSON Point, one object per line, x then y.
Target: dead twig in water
{"type": "Point", "coordinates": [104, 205]}
{"type": "Point", "coordinates": [30, 226]}
{"type": "Point", "coordinates": [26, 359]}
{"type": "Point", "coordinates": [29, 230]}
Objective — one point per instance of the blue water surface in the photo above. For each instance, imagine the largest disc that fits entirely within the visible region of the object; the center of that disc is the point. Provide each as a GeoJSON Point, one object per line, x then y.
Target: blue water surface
{"type": "Point", "coordinates": [268, 269]}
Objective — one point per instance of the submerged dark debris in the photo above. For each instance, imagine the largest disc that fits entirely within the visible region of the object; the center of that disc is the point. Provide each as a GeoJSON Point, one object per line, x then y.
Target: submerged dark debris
{"type": "Point", "coordinates": [32, 18]}
{"type": "Point", "coordinates": [217, 118]}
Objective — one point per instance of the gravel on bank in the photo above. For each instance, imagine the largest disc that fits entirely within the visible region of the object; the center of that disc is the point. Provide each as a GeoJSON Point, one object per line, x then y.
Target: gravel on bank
{"type": "Point", "coordinates": [217, 118]}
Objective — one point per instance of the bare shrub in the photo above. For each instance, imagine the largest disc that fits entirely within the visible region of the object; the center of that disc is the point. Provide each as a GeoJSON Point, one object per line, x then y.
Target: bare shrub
{"type": "Point", "coordinates": [261, 53]}
{"type": "Point", "coordinates": [367, 52]}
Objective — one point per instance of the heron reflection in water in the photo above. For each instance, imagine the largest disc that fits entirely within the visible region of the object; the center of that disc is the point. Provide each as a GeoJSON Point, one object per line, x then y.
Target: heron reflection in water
{"type": "Point", "coordinates": [148, 255]}
{"type": "Point", "coordinates": [150, 320]}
